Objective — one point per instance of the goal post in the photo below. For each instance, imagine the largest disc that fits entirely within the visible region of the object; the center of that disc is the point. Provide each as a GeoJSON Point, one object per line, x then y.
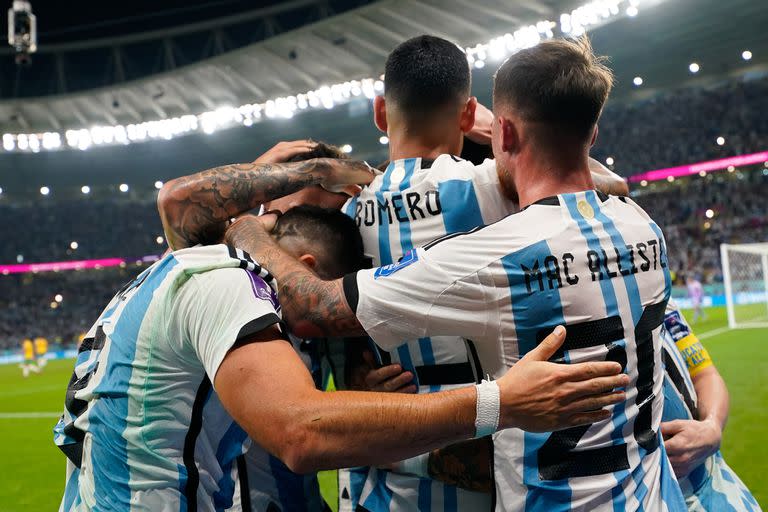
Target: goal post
{"type": "Point", "coordinates": [745, 277]}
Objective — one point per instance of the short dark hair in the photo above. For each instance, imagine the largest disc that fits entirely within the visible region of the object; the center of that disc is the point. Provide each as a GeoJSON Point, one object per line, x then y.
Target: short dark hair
{"type": "Point", "coordinates": [425, 74]}
{"type": "Point", "coordinates": [560, 82]}
{"type": "Point", "coordinates": [333, 236]}
{"type": "Point", "coordinates": [321, 150]}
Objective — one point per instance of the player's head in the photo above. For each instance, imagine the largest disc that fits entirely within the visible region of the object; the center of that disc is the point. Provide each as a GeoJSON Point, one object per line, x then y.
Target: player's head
{"type": "Point", "coordinates": [324, 239]}
{"type": "Point", "coordinates": [426, 92]}
{"type": "Point", "coordinates": [315, 194]}
{"type": "Point", "coordinates": [547, 100]}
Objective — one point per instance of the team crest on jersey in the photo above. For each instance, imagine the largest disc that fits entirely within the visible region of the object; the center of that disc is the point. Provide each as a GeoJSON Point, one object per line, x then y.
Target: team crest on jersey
{"type": "Point", "coordinates": [387, 270]}
{"type": "Point", "coordinates": [585, 209]}
{"type": "Point", "coordinates": [675, 326]}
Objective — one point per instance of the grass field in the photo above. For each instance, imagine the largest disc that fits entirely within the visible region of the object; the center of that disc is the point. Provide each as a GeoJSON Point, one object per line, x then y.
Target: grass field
{"type": "Point", "coordinates": [33, 477]}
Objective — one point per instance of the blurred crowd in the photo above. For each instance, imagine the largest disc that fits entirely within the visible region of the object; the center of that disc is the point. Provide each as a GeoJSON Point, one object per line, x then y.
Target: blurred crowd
{"type": "Point", "coordinates": [44, 230]}
{"type": "Point", "coordinates": [682, 126]}
{"type": "Point", "coordinates": [673, 128]}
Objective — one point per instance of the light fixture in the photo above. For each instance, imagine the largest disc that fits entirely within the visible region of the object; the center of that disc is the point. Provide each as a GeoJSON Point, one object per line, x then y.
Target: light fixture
{"type": "Point", "coordinates": [702, 173]}
{"type": "Point", "coordinates": [609, 160]}
{"type": "Point", "coordinates": [632, 11]}
{"type": "Point", "coordinates": [709, 213]}
{"type": "Point", "coordinates": [670, 179]}
{"type": "Point", "coordinates": [85, 189]}
{"type": "Point", "coordinates": [746, 55]}
{"type": "Point", "coordinates": [45, 191]}
{"type": "Point", "coordinates": [74, 245]}
{"type": "Point", "coordinates": [643, 183]}
{"type": "Point", "coordinates": [638, 81]}
{"type": "Point", "coordinates": [58, 298]}
{"type": "Point", "coordinates": [346, 148]}
{"type": "Point", "coordinates": [383, 139]}
{"type": "Point", "coordinates": [720, 141]}
{"type": "Point", "coordinates": [158, 184]}
{"type": "Point", "coordinates": [693, 67]}
{"type": "Point", "coordinates": [159, 240]}
{"type": "Point", "coordinates": [124, 187]}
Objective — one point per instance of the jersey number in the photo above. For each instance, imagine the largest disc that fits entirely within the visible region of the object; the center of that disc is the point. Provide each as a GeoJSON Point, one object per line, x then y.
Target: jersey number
{"type": "Point", "coordinates": [557, 458]}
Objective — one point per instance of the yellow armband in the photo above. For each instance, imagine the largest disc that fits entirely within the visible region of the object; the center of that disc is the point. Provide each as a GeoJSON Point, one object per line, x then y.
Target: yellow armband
{"type": "Point", "coordinates": [695, 355]}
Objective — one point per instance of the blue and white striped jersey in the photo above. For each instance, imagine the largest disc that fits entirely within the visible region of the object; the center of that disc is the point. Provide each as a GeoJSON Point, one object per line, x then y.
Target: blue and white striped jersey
{"type": "Point", "coordinates": [713, 485]}
{"type": "Point", "coordinates": [595, 264]}
{"type": "Point", "coordinates": [143, 427]}
{"type": "Point", "coordinates": [413, 202]}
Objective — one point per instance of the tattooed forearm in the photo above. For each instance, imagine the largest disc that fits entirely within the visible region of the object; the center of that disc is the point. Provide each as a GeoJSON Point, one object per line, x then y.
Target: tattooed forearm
{"type": "Point", "coordinates": [607, 181]}
{"type": "Point", "coordinates": [195, 209]}
{"type": "Point", "coordinates": [311, 306]}
{"type": "Point", "coordinates": [466, 464]}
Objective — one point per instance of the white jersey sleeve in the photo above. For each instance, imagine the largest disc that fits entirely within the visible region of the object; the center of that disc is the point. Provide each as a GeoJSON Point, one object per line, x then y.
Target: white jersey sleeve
{"type": "Point", "coordinates": [417, 297]}
{"type": "Point", "coordinates": [217, 309]}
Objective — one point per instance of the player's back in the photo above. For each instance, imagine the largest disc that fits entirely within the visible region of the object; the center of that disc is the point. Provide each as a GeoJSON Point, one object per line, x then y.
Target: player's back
{"type": "Point", "coordinates": [598, 266]}
{"type": "Point", "coordinates": [142, 421]}
{"type": "Point", "coordinates": [413, 202]}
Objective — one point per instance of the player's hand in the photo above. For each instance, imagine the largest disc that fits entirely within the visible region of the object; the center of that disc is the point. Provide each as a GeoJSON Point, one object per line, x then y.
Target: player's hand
{"type": "Point", "coordinates": [344, 176]}
{"type": "Point", "coordinates": [387, 379]}
{"type": "Point", "coordinates": [539, 396]}
{"type": "Point", "coordinates": [481, 130]}
{"type": "Point", "coordinates": [283, 151]}
{"type": "Point", "coordinates": [690, 442]}
{"type": "Point", "coordinates": [255, 230]}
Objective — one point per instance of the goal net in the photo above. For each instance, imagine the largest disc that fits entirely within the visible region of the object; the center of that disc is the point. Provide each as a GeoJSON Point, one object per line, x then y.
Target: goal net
{"type": "Point", "coordinates": [745, 276]}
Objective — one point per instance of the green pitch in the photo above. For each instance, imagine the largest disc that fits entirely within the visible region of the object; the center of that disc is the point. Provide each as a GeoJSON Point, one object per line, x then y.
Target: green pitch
{"type": "Point", "coordinates": [33, 472]}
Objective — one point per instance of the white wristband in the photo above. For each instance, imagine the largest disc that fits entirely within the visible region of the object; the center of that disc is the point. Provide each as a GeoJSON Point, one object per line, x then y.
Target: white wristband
{"type": "Point", "coordinates": [416, 466]}
{"type": "Point", "coordinates": [488, 408]}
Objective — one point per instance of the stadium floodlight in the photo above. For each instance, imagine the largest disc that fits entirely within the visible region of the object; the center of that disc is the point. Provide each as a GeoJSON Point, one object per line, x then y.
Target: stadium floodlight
{"type": "Point", "coordinates": [479, 64]}
{"type": "Point", "coordinates": [638, 81]}
{"type": "Point", "coordinates": [19, 258]}
{"type": "Point", "coordinates": [85, 189]}
{"type": "Point", "coordinates": [644, 183]}
{"type": "Point", "coordinates": [745, 276]}
{"type": "Point", "coordinates": [693, 67]}
{"type": "Point", "coordinates": [709, 213]}
{"type": "Point", "coordinates": [58, 297]}
{"type": "Point", "coordinates": [22, 31]}
{"type": "Point", "coordinates": [702, 173]}
{"type": "Point", "coordinates": [609, 160]}
{"type": "Point", "coordinates": [158, 184]}
{"type": "Point", "coordinates": [45, 191]}
{"type": "Point", "coordinates": [8, 142]}
{"type": "Point", "coordinates": [346, 148]}
{"type": "Point", "coordinates": [124, 187]}
{"type": "Point", "coordinates": [731, 168]}
{"type": "Point", "coordinates": [720, 141]}
{"type": "Point", "coordinates": [670, 179]}
{"type": "Point", "coordinates": [74, 245]}
{"type": "Point", "coordinates": [632, 11]}
{"type": "Point", "coordinates": [1, 190]}
{"type": "Point", "coordinates": [159, 240]}
{"type": "Point", "coordinates": [746, 55]}
{"type": "Point", "coordinates": [383, 140]}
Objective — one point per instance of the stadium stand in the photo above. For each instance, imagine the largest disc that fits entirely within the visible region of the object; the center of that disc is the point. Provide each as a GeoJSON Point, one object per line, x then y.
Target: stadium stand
{"type": "Point", "coordinates": [693, 118]}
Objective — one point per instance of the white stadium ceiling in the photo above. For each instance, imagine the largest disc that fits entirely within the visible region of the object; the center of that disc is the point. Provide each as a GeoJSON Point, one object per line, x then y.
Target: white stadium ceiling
{"type": "Point", "coordinates": [345, 47]}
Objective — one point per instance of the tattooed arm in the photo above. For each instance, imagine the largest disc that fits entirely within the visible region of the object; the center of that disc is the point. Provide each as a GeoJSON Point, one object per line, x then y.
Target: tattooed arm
{"type": "Point", "coordinates": [311, 306]}
{"type": "Point", "coordinates": [195, 209]}
{"type": "Point", "coordinates": [607, 181]}
{"type": "Point", "coordinates": [466, 465]}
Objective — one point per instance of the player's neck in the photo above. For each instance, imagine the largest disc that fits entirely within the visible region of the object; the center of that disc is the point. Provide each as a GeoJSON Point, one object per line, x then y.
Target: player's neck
{"type": "Point", "coordinates": [405, 146]}
{"type": "Point", "coordinates": [539, 178]}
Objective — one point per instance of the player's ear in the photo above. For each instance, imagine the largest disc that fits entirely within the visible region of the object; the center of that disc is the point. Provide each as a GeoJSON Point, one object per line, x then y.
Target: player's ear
{"type": "Point", "coordinates": [594, 136]}
{"type": "Point", "coordinates": [467, 120]}
{"type": "Point", "coordinates": [309, 260]}
{"type": "Point", "coordinates": [510, 138]}
{"type": "Point", "coordinates": [380, 113]}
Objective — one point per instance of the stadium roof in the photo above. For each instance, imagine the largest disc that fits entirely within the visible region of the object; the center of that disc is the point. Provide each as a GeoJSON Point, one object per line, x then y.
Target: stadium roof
{"type": "Point", "coordinates": [658, 44]}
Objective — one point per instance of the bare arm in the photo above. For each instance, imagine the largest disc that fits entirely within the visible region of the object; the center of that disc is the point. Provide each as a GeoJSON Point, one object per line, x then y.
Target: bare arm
{"type": "Point", "coordinates": [195, 209]}
{"type": "Point", "coordinates": [690, 442]}
{"type": "Point", "coordinates": [607, 181]}
{"type": "Point", "coordinates": [312, 307]}
{"type": "Point", "coordinates": [268, 391]}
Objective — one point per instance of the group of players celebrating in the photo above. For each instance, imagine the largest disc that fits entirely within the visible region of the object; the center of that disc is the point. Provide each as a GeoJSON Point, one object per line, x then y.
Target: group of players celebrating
{"type": "Point", "coordinates": [513, 348]}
